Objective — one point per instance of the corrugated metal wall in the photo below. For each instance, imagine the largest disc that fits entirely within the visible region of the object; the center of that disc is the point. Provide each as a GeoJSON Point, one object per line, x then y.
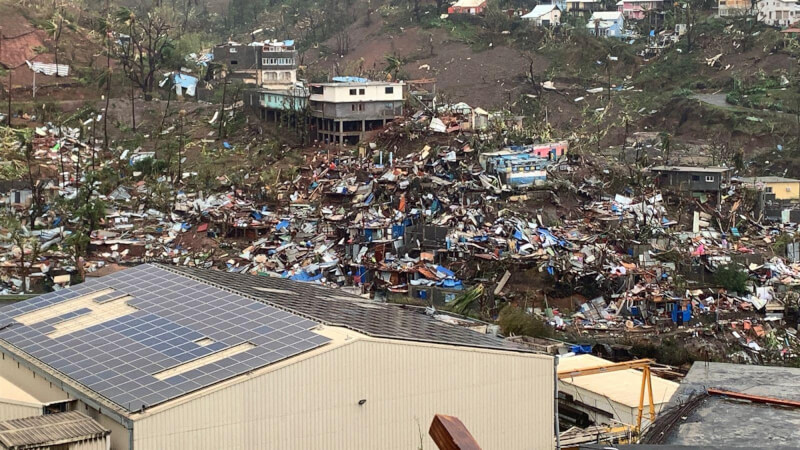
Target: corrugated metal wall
{"type": "Point", "coordinates": [91, 444]}
{"type": "Point", "coordinates": [10, 410]}
{"type": "Point", "coordinates": [505, 399]}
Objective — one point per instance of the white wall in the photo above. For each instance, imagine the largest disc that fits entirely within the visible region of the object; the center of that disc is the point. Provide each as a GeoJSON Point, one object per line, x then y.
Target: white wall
{"type": "Point", "coordinates": [340, 93]}
{"type": "Point", "coordinates": [504, 398]}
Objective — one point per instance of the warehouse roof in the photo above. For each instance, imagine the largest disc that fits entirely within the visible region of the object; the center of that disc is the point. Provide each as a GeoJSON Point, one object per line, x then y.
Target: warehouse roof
{"type": "Point", "coordinates": [621, 386]}
{"type": "Point", "coordinates": [337, 308]}
{"type": "Point", "coordinates": [743, 424]}
{"type": "Point", "coordinates": [146, 335]}
{"type": "Point", "coordinates": [149, 334]}
{"type": "Point", "coordinates": [49, 430]}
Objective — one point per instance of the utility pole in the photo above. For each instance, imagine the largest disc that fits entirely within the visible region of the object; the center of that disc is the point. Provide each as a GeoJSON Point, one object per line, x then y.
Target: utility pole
{"type": "Point", "coordinates": [10, 69]}
{"type": "Point", "coordinates": [182, 114]}
{"type": "Point", "coordinates": [133, 108]}
{"type": "Point", "coordinates": [222, 107]}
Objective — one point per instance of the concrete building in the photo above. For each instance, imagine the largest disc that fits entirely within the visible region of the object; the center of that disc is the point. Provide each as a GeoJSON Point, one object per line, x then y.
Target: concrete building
{"type": "Point", "coordinates": [61, 431]}
{"type": "Point", "coordinates": [606, 24]}
{"type": "Point", "coordinates": [344, 110]}
{"type": "Point", "coordinates": [268, 64]}
{"type": "Point", "coordinates": [778, 13]}
{"type": "Point", "coordinates": [169, 357]}
{"type": "Point", "coordinates": [583, 6]}
{"type": "Point", "coordinates": [638, 9]}
{"type": "Point", "coordinates": [783, 188]}
{"type": "Point", "coordinates": [690, 178]}
{"type": "Point", "coordinates": [608, 398]}
{"type": "Point", "coordinates": [241, 62]}
{"type": "Point", "coordinates": [733, 8]}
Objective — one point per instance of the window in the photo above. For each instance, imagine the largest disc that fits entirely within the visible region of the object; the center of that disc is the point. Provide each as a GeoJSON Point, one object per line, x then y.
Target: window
{"type": "Point", "coordinates": [357, 107]}
{"type": "Point", "coordinates": [695, 177]}
{"type": "Point", "coordinates": [233, 49]}
{"type": "Point", "coordinates": [768, 189]}
{"type": "Point", "coordinates": [361, 91]}
{"type": "Point", "coordinates": [277, 61]}
{"type": "Point", "coordinates": [352, 92]}
{"type": "Point", "coordinates": [390, 90]}
{"type": "Point", "coordinates": [319, 90]}
{"type": "Point", "coordinates": [709, 178]}
{"type": "Point", "coordinates": [234, 62]}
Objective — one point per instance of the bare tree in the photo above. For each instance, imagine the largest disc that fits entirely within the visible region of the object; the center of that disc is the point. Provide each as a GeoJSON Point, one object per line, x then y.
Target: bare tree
{"type": "Point", "coordinates": [144, 53]}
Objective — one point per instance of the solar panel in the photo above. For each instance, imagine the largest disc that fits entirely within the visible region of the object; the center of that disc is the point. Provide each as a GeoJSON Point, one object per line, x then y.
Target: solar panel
{"type": "Point", "coordinates": [118, 358]}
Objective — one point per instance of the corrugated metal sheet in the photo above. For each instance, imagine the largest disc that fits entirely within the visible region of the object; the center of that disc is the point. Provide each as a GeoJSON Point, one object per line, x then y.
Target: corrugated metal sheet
{"type": "Point", "coordinates": [65, 427]}
{"type": "Point", "coordinates": [13, 410]}
{"type": "Point", "coordinates": [49, 69]}
{"type": "Point", "coordinates": [504, 398]}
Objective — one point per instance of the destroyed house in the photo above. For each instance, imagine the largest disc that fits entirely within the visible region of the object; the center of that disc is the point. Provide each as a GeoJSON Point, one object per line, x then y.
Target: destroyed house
{"type": "Point", "coordinates": [16, 192]}
{"type": "Point", "coordinates": [174, 358]}
{"type": "Point", "coordinates": [691, 179]}
{"type": "Point", "coordinates": [347, 108]}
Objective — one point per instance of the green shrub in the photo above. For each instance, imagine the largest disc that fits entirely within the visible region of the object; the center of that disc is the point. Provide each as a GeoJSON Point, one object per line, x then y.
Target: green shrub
{"type": "Point", "coordinates": [514, 320]}
{"type": "Point", "coordinates": [731, 278]}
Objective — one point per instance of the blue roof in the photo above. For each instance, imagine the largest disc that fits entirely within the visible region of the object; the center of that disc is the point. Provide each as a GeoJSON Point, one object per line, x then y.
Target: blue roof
{"type": "Point", "coordinates": [183, 80]}
{"type": "Point", "coordinates": [174, 319]}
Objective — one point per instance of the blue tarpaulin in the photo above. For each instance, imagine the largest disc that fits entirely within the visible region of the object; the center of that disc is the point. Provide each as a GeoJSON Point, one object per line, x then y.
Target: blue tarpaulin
{"type": "Point", "coordinates": [398, 231]}
{"type": "Point", "coordinates": [303, 276]}
{"type": "Point", "coordinates": [350, 80]}
{"type": "Point", "coordinates": [580, 349]}
{"type": "Point", "coordinates": [282, 224]}
{"type": "Point", "coordinates": [445, 271]}
{"type": "Point", "coordinates": [452, 284]}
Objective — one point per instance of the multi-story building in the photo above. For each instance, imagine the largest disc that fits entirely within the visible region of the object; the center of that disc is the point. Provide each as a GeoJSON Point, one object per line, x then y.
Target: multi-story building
{"type": "Point", "coordinates": [778, 13]}
{"type": "Point", "coordinates": [268, 64]}
{"type": "Point", "coordinates": [728, 8]}
{"type": "Point", "coordinates": [638, 9]}
{"type": "Point", "coordinates": [345, 109]}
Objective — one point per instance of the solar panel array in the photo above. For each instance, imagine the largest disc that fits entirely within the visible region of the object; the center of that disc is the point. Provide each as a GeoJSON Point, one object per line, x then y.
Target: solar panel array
{"type": "Point", "coordinates": [119, 358]}
{"type": "Point", "coordinates": [335, 307]}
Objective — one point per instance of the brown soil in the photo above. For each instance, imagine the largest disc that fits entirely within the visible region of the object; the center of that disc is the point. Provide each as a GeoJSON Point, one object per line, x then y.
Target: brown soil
{"type": "Point", "coordinates": [488, 78]}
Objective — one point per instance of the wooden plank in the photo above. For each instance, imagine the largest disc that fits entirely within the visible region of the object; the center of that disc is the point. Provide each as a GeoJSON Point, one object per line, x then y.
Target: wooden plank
{"type": "Point", "coordinates": [502, 283]}
{"type": "Point", "coordinates": [449, 433]}
{"type": "Point", "coordinates": [755, 398]}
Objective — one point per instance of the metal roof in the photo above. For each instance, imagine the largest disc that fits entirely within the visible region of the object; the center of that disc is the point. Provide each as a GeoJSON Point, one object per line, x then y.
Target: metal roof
{"type": "Point", "coordinates": [689, 169]}
{"type": "Point", "coordinates": [768, 179]}
{"type": "Point", "coordinates": [146, 335]}
{"type": "Point", "coordinates": [337, 308]}
{"type": "Point", "coordinates": [48, 430]}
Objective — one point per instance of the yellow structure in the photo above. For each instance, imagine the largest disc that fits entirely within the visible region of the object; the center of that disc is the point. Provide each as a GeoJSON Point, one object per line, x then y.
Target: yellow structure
{"type": "Point", "coordinates": [783, 188]}
{"type": "Point", "coordinates": [614, 396]}
{"type": "Point", "coordinates": [376, 381]}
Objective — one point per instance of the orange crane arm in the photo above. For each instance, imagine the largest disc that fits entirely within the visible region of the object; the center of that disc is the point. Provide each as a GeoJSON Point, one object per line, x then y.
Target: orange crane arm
{"type": "Point", "coordinates": [635, 364]}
